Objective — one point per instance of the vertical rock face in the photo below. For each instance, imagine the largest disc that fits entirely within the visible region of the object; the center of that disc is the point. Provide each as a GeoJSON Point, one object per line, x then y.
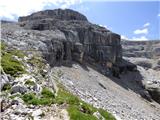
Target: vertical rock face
{"type": "Point", "coordinates": [83, 40]}
{"type": "Point", "coordinates": [65, 35]}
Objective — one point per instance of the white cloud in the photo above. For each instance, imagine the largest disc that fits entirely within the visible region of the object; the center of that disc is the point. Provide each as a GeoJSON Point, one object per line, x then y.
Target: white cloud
{"type": "Point", "coordinates": [146, 25]}
{"type": "Point", "coordinates": [124, 37]}
{"type": "Point", "coordinates": [107, 27]}
{"type": "Point", "coordinates": [11, 8]}
{"type": "Point", "coordinates": [141, 31]}
{"type": "Point", "coordinates": [158, 15]}
{"type": "Point", "coordinates": [103, 25]}
{"type": "Point", "coordinates": [142, 38]}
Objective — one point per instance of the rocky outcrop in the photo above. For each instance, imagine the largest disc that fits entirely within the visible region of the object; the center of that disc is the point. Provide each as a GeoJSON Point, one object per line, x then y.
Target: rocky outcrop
{"type": "Point", "coordinates": [145, 49]}
{"type": "Point", "coordinates": [54, 14]}
{"type": "Point", "coordinates": [4, 79]}
{"type": "Point", "coordinates": [65, 35]}
{"type": "Point", "coordinates": [154, 92]}
{"type": "Point", "coordinates": [145, 54]}
{"type": "Point", "coordinates": [94, 41]}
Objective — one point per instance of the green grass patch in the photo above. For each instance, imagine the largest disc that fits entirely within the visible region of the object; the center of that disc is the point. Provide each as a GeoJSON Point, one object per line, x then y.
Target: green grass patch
{"type": "Point", "coordinates": [106, 115]}
{"type": "Point", "coordinates": [11, 66]}
{"type": "Point", "coordinates": [17, 53]}
{"type": "Point", "coordinates": [76, 114]}
{"type": "Point", "coordinates": [6, 87]}
{"type": "Point", "coordinates": [46, 93]}
{"type": "Point", "coordinates": [31, 98]}
{"type": "Point", "coordinates": [87, 108]}
{"type": "Point", "coordinates": [64, 96]}
{"type": "Point", "coordinates": [47, 98]}
{"type": "Point", "coordinates": [2, 46]}
{"type": "Point", "coordinates": [30, 82]}
{"type": "Point", "coordinates": [78, 109]}
{"type": "Point", "coordinates": [15, 95]}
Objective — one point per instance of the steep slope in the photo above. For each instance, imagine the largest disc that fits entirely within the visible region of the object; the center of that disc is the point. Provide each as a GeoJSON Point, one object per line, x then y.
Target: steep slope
{"type": "Point", "coordinates": [122, 97]}
{"type": "Point", "coordinates": [29, 91]}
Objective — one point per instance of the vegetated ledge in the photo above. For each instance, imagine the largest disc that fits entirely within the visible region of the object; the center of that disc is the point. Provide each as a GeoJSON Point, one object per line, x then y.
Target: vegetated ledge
{"type": "Point", "coordinates": [77, 109]}
{"type": "Point", "coordinates": [9, 62]}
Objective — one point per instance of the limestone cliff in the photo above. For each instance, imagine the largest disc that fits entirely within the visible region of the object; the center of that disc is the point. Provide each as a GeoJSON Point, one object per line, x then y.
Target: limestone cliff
{"type": "Point", "coordinates": [65, 35]}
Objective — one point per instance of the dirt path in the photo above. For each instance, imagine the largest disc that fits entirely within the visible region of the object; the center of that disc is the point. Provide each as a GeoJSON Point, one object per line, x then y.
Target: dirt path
{"type": "Point", "coordinates": [118, 96]}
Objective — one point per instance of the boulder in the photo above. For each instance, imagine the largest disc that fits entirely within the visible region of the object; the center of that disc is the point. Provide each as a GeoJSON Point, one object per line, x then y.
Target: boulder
{"type": "Point", "coordinates": [144, 64]}
{"type": "Point", "coordinates": [157, 68]}
{"type": "Point", "coordinates": [98, 116]}
{"type": "Point", "coordinates": [18, 89]}
{"type": "Point", "coordinates": [37, 114]}
{"type": "Point", "coordinates": [156, 51]}
{"type": "Point", "coordinates": [4, 79]}
{"type": "Point", "coordinates": [154, 91]}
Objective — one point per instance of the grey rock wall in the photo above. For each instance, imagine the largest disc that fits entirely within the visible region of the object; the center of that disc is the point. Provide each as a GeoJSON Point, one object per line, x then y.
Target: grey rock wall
{"type": "Point", "coordinates": [94, 41]}
{"type": "Point", "coordinates": [65, 35]}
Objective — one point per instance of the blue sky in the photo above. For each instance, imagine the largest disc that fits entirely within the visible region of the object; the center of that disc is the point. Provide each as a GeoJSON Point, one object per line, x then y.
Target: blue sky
{"type": "Point", "coordinates": [133, 20]}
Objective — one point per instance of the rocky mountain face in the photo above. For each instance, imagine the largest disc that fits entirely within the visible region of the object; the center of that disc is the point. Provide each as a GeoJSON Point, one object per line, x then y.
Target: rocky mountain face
{"type": "Point", "coordinates": [30, 91]}
{"type": "Point", "coordinates": [36, 43]}
{"type": "Point", "coordinates": [36, 80]}
{"type": "Point", "coordinates": [65, 35]}
{"type": "Point", "coordinates": [146, 55]}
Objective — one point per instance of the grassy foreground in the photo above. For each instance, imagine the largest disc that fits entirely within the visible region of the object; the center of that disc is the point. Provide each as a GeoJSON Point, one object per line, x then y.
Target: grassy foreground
{"type": "Point", "coordinates": [77, 109]}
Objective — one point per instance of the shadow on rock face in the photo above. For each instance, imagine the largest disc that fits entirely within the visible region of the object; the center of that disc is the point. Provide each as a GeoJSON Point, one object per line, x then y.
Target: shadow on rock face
{"type": "Point", "coordinates": [154, 91]}
{"type": "Point", "coordinates": [128, 78]}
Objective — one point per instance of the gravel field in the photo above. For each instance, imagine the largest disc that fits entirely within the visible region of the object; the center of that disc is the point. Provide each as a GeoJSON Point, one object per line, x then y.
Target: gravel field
{"type": "Point", "coordinates": [121, 97]}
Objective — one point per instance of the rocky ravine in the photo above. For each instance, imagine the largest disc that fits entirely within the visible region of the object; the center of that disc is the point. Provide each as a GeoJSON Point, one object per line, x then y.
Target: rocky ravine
{"type": "Point", "coordinates": [62, 36]}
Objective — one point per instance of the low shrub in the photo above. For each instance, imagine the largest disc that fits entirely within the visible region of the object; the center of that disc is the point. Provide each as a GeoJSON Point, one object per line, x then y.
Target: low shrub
{"type": "Point", "coordinates": [11, 66]}
{"type": "Point", "coordinates": [46, 93]}
{"type": "Point", "coordinates": [47, 98]}
{"type": "Point", "coordinates": [30, 82]}
{"type": "Point", "coordinates": [76, 114]}
{"type": "Point", "coordinates": [6, 87]}
{"type": "Point", "coordinates": [66, 97]}
{"type": "Point", "coordinates": [106, 115]}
